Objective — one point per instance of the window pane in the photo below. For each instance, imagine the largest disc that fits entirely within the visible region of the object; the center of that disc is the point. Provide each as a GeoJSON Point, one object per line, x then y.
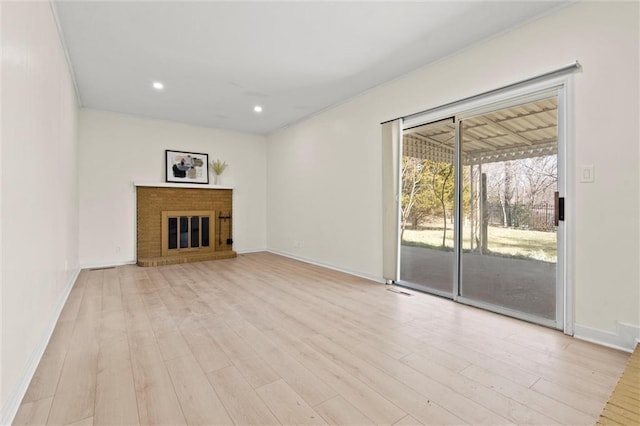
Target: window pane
{"type": "Point", "coordinates": [195, 231]}
{"type": "Point", "coordinates": [205, 231]}
{"type": "Point", "coordinates": [428, 186]}
{"type": "Point", "coordinates": [509, 236]}
{"type": "Point", "coordinates": [173, 233]}
{"type": "Point", "coordinates": [184, 232]}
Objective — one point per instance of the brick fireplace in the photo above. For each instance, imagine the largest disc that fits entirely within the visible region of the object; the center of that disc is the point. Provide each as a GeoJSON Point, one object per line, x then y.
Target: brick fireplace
{"type": "Point", "coordinates": [180, 224]}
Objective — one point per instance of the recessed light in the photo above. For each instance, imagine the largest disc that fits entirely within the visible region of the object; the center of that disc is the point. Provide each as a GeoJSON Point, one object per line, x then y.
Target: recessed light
{"type": "Point", "coordinates": [157, 85]}
{"type": "Point", "coordinates": [257, 109]}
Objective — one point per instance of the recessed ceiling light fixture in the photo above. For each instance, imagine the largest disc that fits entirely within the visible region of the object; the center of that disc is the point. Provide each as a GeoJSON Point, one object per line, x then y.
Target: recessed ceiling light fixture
{"type": "Point", "coordinates": [157, 85]}
{"type": "Point", "coordinates": [257, 109]}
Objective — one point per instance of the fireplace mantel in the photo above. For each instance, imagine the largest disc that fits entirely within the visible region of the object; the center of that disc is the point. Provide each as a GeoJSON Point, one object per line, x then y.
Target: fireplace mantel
{"type": "Point", "coordinates": [180, 185]}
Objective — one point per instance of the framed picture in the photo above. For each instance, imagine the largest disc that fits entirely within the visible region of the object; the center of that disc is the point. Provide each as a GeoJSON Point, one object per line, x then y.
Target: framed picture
{"type": "Point", "coordinates": [187, 167]}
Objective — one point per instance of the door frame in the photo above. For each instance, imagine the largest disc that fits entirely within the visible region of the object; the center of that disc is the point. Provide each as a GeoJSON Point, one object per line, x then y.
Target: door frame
{"type": "Point", "coordinates": [529, 91]}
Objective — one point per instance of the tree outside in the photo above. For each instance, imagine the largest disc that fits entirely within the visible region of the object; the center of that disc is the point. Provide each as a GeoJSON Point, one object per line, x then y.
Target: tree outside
{"type": "Point", "coordinates": [519, 205]}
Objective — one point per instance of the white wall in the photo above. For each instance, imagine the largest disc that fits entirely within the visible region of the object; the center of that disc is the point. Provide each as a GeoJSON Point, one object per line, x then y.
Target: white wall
{"type": "Point", "coordinates": [39, 202]}
{"type": "Point", "coordinates": [324, 176]}
{"type": "Point", "coordinates": [2, 393]}
{"type": "Point", "coordinates": [117, 150]}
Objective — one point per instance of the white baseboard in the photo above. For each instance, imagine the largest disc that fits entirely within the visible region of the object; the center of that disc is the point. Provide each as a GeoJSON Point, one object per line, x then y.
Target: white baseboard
{"type": "Point", "coordinates": [379, 280]}
{"type": "Point", "coordinates": [247, 251]}
{"type": "Point", "coordinates": [107, 264]}
{"type": "Point", "coordinates": [10, 408]}
{"type": "Point", "coordinates": [624, 338]}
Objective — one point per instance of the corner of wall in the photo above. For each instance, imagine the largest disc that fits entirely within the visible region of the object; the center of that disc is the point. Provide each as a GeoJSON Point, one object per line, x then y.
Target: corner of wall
{"type": "Point", "coordinates": [107, 196]}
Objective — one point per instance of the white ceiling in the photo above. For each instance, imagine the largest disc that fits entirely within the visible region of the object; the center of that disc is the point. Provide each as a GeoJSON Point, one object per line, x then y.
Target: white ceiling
{"type": "Point", "coordinates": [219, 59]}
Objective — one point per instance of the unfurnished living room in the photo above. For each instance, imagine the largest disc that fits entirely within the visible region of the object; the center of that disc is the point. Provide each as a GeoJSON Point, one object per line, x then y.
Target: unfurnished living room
{"type": "Point", "coordinates": [346, 212]}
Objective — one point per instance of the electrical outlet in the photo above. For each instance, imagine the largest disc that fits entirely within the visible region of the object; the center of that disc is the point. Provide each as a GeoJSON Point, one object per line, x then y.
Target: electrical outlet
{"type": "Point", "coordinates": [117, 249]}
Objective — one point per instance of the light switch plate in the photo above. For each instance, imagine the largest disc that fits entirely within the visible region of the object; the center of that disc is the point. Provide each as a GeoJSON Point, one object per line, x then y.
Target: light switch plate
{"type": "Point", "coordinates": [587, 173]}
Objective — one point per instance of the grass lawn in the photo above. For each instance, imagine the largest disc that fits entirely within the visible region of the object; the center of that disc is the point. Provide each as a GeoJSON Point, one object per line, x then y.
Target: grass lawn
{"type": "Point", "coordinates": [503, 241]}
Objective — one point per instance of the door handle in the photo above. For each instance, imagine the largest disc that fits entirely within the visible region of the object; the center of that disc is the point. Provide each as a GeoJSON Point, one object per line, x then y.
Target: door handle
{"type": "Point", "coordinates": [559, 208]}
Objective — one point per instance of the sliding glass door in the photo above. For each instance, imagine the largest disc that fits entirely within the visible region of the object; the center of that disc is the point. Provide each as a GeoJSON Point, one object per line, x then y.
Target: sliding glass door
{"type": "Point", "coordinates": [507, 212]}
{"type": "Point", "coordinates": [480, 207]}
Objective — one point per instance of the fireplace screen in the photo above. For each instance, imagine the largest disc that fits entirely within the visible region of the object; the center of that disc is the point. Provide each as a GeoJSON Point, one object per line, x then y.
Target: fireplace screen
{"type": "Point", "coordinates": [186, 231]}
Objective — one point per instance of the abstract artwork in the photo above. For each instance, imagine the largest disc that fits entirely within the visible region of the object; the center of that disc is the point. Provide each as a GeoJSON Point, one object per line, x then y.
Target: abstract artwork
{"type": "Point", "coordinates": [187, 167]}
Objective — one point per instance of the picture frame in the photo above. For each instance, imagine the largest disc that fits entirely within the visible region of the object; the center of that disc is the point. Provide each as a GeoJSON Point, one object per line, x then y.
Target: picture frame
{"type": "Point", "coordinates": [186, 167]}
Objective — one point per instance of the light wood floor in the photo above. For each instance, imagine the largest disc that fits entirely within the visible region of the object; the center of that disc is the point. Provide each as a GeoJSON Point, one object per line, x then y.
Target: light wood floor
{"type": "Point", "coordinates": [623, 407]}
{"type": "Point", "coordinates": [263, 339]}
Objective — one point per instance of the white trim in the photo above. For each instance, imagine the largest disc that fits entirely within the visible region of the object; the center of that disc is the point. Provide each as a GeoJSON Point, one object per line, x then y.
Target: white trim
{"type": "Point", "coordinates": [181, 185]}
{"type": "Point", "coordinates": [568, 151]}
{"type": "Point", "coordinates": [63, 43]}
{"type": "Point", "coordinates": [248, 251]}
{"type": "Point", "coordinates": [108, 264]}
{"type": "Point", "coordinates": [561, 232]}
{"type": "Point", "coordinates": [378, 280]}
{"type": "Point", "coordinates": [10, 408]}
{"type": "Point", "coordinates": [625, 338]}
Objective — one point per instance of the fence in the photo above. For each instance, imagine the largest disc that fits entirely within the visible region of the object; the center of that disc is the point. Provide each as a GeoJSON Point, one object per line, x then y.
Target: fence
{"type": "Point", "coordinates": [539, 217]}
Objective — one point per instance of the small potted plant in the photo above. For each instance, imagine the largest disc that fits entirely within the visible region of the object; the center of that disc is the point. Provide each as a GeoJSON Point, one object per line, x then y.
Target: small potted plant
{"type": "Point", "coordinates": [218, 167]}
